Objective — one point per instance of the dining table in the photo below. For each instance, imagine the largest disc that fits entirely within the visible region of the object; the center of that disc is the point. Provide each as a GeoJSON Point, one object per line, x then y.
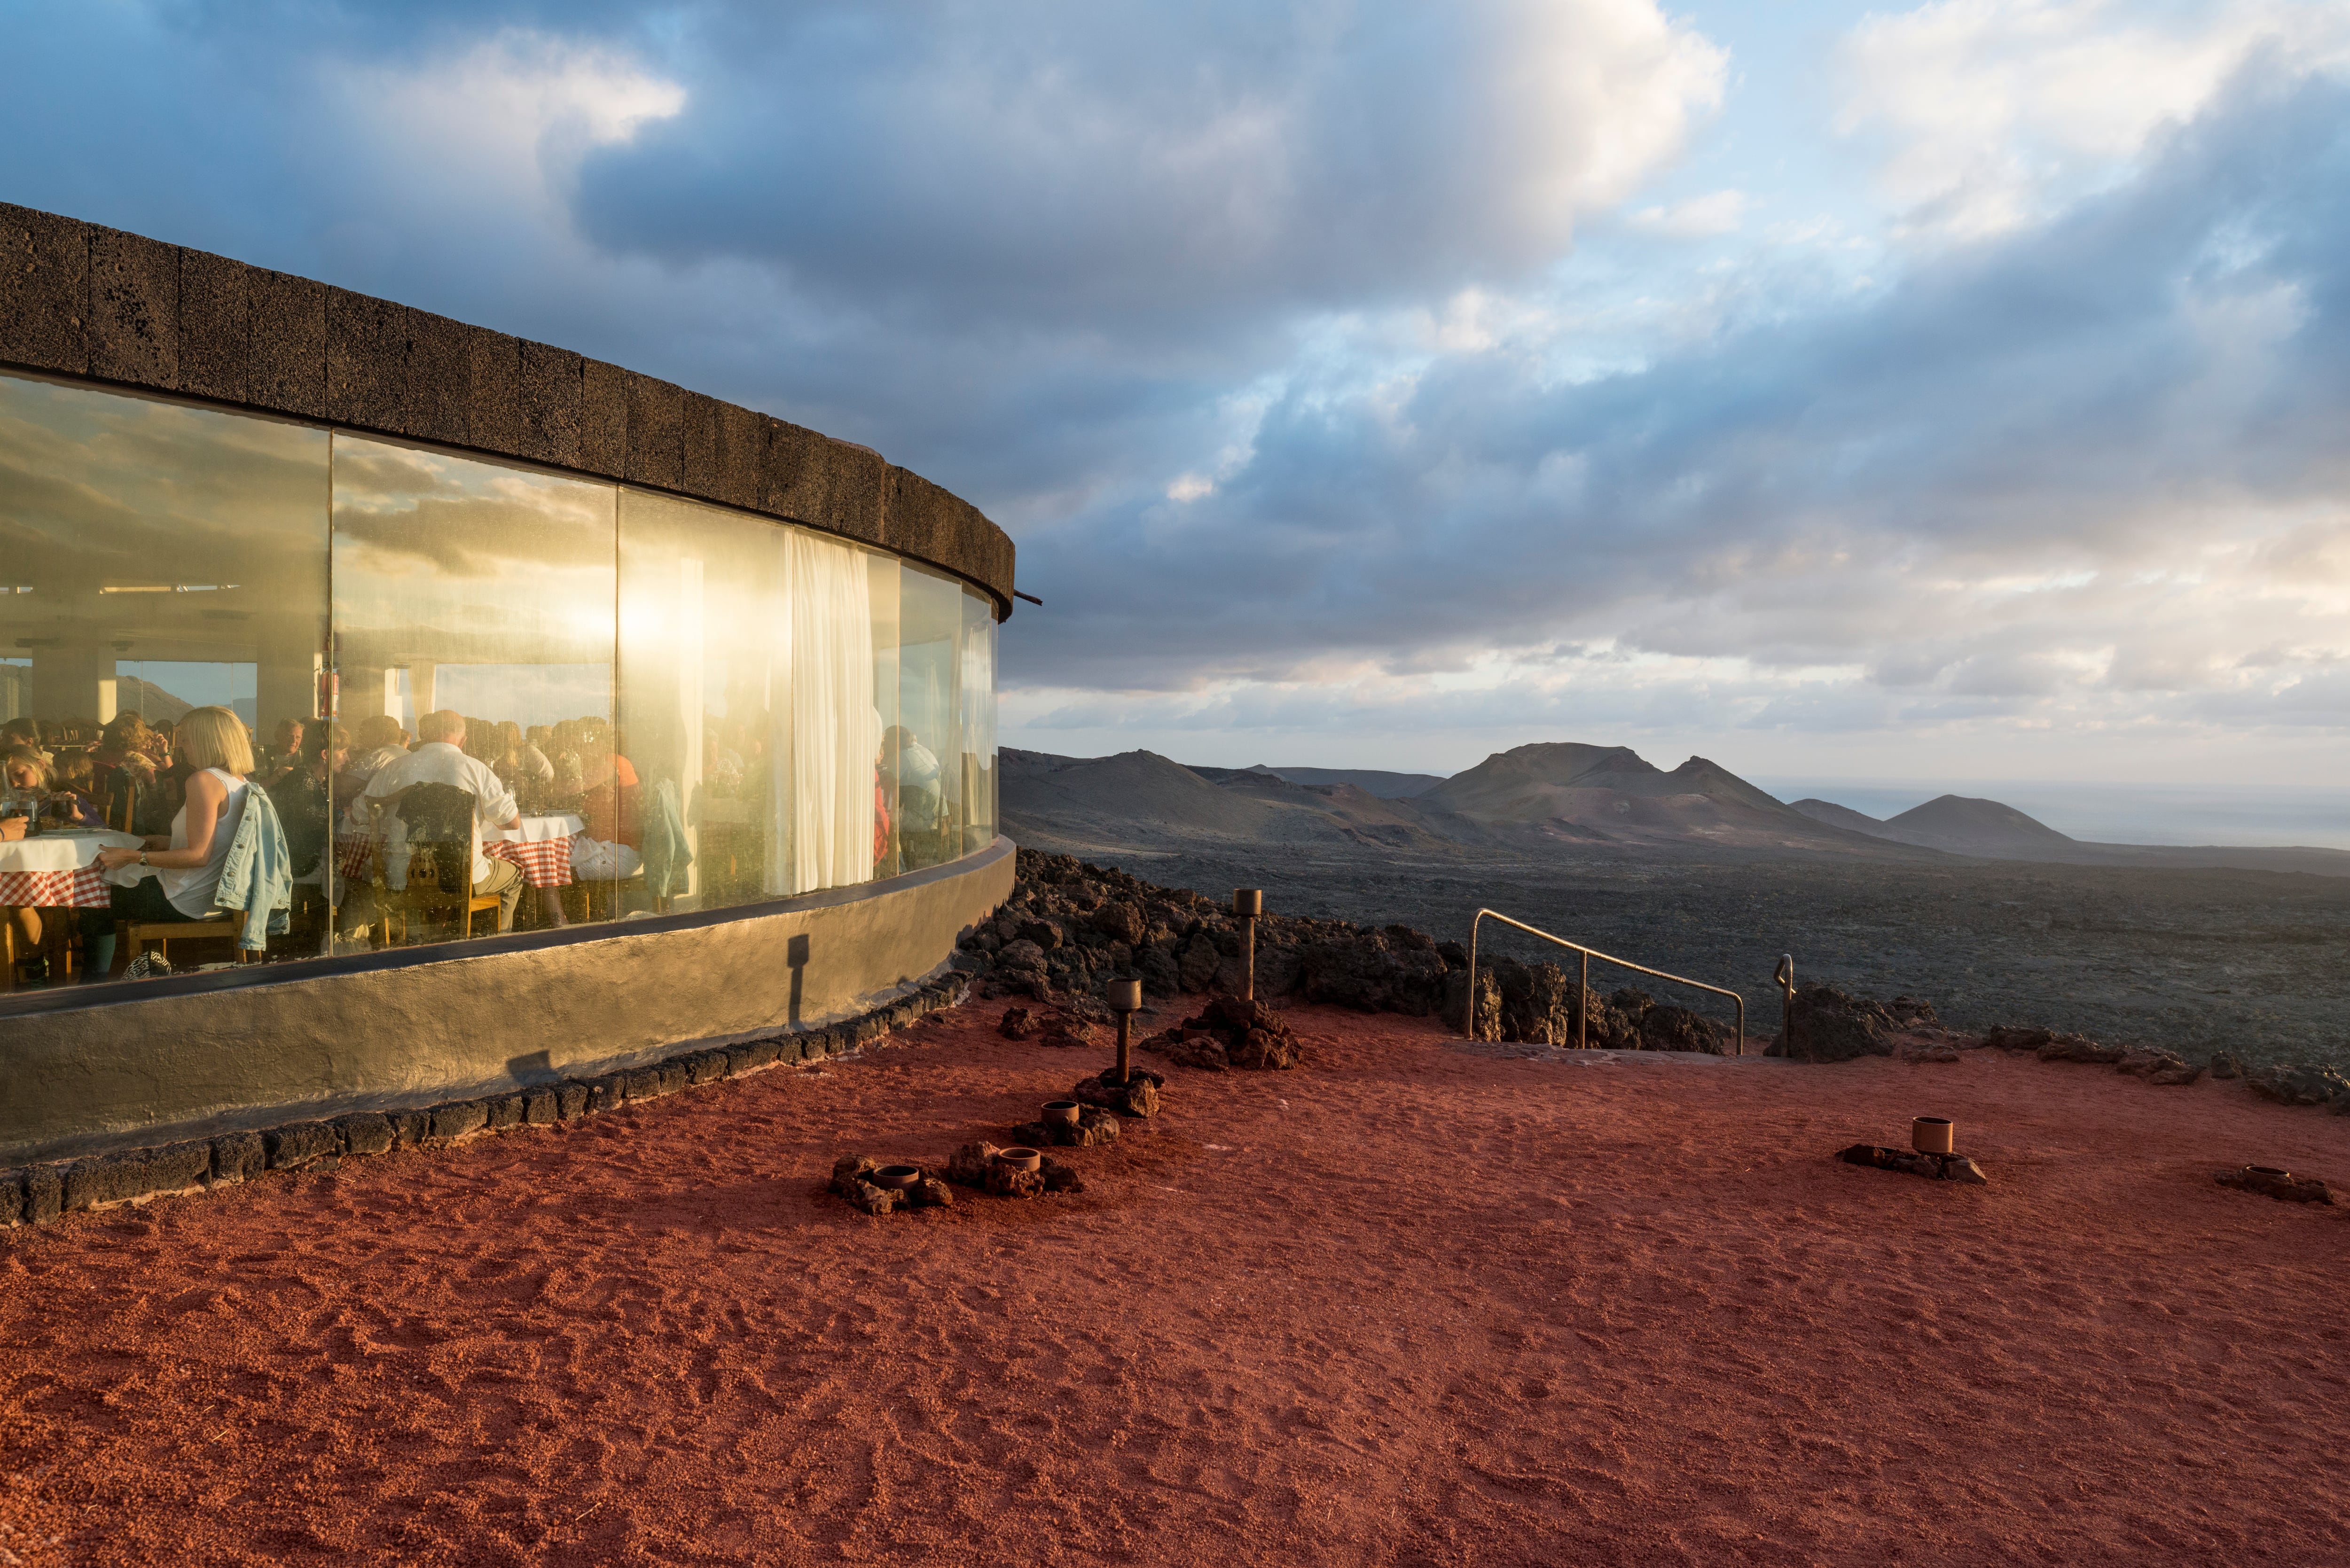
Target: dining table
{"type": "Point", "coordinates": [539, 847]}
{"type": "Point", "coordinates": [57, 870]}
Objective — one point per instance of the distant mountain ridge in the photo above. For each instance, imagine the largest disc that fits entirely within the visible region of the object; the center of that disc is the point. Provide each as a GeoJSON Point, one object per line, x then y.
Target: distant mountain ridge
{"type": "Point", "coordinates": [1543, 798]}
{"type": "Point", "coordinates": [1992, 830]}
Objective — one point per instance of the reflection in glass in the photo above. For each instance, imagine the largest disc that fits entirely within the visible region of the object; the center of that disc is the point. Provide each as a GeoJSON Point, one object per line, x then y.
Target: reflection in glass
{"type": "Point", "coordinates": [155, 557]}
{"type": "Point", "coordinates": [922, 752]}
{"type": "Point", "coordinates": [705, 649]}
{"type": "Point", "coordinates": [978, 723]}
{"type": "Point", "coordinates": [485, 592]}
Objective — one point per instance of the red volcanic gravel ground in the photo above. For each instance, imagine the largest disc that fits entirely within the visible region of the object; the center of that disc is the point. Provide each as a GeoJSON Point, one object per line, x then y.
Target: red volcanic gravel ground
{"type": "Point", "coordinates": [1415, 1303]}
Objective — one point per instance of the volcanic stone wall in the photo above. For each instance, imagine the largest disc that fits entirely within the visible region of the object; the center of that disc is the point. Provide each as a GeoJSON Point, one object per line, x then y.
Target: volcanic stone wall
{"type": "Point", "coordinates": [80, 299]}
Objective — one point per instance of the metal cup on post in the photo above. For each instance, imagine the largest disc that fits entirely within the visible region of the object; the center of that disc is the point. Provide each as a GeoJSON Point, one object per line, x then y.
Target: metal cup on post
{"type": "Point", "coordinates": [1248, 903]}
{"type": "Point", "coordinates": [1125, 998]}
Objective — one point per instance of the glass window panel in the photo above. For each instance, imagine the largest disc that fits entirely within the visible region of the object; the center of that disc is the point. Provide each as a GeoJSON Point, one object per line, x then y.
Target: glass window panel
{"type": "Point", "coordinates": [922, 753]}
{"type": "Point", "coordinates": [488, 591]}
{"type": "Point", "coordinates": [882, 580]}
{"type": "Point", "coordinates": [705, 689]}
{"type": "Point", "coordinates": [838, 828]}
{"type": "Point", "coordinates": [978, 717]}
{"type": "Point", "coordinates": [155, 558]}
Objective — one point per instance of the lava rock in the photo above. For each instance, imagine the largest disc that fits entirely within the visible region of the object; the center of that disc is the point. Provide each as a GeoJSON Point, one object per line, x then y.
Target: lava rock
{"type": "Point", "coordinates": [2309, 1084]}
{"type": "Point", "coordinates": [292, 1147]}
{"type": "Point", "coordinates": [1020, 955]}
{"type": "Point", "coordinates": [2282, 1185]}
{"type": "Point", "coordinates": [2224, 1065]}
{"type": "Point", "coordinates": [1060, 1175]}
{"type": "Point", "coordinates": [1956, 1168]}
{"type": "Point", "coordinates": [1824, 1024]}
{"type": "Point", "coordinates": [969, 1164]}
{"type": "Point", "coordinates": [366, 1133]}
{"type": "Point", "coordinates": [238, 1156]}
{"type": "Point", "coordinates": [1137, 1096]}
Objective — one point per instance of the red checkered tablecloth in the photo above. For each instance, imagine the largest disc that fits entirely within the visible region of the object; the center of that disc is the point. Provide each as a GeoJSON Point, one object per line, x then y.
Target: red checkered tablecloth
{"type": "Point", "coordinates": [81, 889]}
{"type": "Point", "coordinates": [542, 851]}
{"type": "Point", "coordinates": [545, 862]}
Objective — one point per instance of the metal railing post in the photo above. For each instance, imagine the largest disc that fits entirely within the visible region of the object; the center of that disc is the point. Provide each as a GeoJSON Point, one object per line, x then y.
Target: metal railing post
{"type": "Point", "coordinates": [1582, 1017]}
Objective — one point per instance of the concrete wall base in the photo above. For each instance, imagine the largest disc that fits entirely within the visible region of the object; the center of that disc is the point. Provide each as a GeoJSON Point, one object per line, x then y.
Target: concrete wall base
{"type": "Point", "coordinates": [181, 1061]}
{"type": "Point", "coordinates": [35, 1194]}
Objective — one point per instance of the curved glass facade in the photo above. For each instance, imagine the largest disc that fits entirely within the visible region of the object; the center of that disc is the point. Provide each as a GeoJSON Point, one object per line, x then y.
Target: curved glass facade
{"type": "Point", "coordinates": [655, 705]}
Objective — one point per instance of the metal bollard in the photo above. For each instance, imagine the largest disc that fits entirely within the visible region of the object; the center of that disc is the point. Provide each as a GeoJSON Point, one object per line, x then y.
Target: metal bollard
{"type": "Point", "coordinates": [1125, 998]}
{"type": "Point", "coordinates": [1248, 903]}
{"type": "Point", "coordinates": [1785, 978]}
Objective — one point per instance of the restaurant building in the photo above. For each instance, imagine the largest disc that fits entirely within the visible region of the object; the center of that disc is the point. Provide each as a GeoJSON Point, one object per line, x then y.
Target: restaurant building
{"type": "Point", "coordinates": [748, 672]}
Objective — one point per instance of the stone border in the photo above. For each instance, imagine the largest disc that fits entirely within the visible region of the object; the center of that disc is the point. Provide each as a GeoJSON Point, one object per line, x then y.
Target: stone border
{"type": "Point", "coordinates": [79, 299]}
{"type": "Point", "coordinates": [36, 1194]}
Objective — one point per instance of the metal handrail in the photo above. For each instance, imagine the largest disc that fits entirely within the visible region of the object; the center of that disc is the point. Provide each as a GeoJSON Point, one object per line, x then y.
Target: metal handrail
{"type": "Point", "coordinates": [1582, 1008]}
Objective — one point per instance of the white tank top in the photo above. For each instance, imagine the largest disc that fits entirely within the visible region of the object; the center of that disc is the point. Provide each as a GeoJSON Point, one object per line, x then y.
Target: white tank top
{"type": "Point", "coordinates": [191, 891]}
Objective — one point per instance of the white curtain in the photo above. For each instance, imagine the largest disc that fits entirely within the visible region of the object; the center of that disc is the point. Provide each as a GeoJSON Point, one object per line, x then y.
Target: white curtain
{"type": "Point", "coordinates": [836, 733]}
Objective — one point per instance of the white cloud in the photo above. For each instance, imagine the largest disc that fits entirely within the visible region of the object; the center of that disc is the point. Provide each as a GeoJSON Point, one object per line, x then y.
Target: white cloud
{"type": "Point", "coordinates": [1699, 217]}
{"type": "Point", "coordinates": [1995, 111]}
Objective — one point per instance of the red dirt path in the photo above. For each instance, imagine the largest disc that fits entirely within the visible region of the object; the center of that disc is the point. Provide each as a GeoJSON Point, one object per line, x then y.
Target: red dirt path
{"type": "Point", "coordinates": [1412, 1303]}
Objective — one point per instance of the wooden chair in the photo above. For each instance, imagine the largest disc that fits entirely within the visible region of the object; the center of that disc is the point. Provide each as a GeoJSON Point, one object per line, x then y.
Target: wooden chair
{"type": "Point", "coordinates": [134, 935]}
{"type": "Point", "coordinates": [445, 841]}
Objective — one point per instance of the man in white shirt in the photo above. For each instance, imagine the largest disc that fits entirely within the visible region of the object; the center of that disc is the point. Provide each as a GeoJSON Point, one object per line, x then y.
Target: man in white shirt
{"type": "Point", "coordinates": [442, 760]}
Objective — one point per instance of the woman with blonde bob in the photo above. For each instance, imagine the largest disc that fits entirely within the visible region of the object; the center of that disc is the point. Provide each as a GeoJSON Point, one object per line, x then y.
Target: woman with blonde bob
{"type": "Point", "coordinates": [212, 742]}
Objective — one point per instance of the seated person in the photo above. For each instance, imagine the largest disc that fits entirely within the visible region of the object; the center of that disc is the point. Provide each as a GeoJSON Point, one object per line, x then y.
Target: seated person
{"type": "Point", "coordinates": [283, 755]}
{"type": "Point", "coordinates": [123, 775]}
{"type": "Point", "coordinates": [215, 750]}
{"type": "Point", "coordinates": [611, 807]}
{"type": "Point", "coordinates": [301, 798]}
{"type": "Point", "coordinates": [379, 740]}
{"type": "Point", "coordinates": [22, 731]}
{"type": "Point", "coordinates": [26, 773]}
{"type": "Point", "coordinates": [441, 759]}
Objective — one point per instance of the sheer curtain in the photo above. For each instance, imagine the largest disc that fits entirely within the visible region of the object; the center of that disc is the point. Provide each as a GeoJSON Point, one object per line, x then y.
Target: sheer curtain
{"type": "Point", "coordinates": [836, 732]}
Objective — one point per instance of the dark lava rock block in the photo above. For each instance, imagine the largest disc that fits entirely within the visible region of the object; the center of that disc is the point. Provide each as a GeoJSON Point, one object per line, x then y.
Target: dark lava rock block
{"type": "Point", "coordinates": [539, 1109]}
{"type": "Point", "coordinates": [238, 1156]}
{"type": "Point", "coordinates": [2278, 1184]}
{"type": "Point", "coordinates": [45, 1194]}
{"type": "Point", "coordinates": [293, 1148]}
{"type": "Point", "coordinates": [366, 1133]}
{"type": "Point", "coordinates": [571, 1101]}
{"type": "Point", "coordinates": [504, 1110]}
{"type": "Point", "coordinates": [2224, 1065]}
{"type": "Point", "coordinates": [453, 1122]}
{"type": "Point", "coordinates": [412, 1127]}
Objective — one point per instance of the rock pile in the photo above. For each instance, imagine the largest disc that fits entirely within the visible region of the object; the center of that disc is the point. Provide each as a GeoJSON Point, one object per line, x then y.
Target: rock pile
{"type": "Point", "coordinates": [2308, 1085]}
{"type": "Point", "coordinates": [851, 1181]}
{"type": "Point", "coordinates": [1069, 928]}
{"type": "Point", "coordinates": [975, 1165]}
{"type": "Point", "coordinates": [1095, 1126]}
{"type": "Point", "coordinates": [1047, 1026]}
{"type": "Point", "coordinates": [2279, 1184]}
{"type": "Point", "coordinates": [1137, 1096]}
{"type": "Point", "coordinates": [1230, 1033]}
{"type": "Point", "coordinates": [1936, 1167]}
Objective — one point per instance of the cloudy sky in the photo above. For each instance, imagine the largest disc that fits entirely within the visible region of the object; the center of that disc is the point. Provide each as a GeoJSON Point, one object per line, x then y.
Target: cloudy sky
{"type": "Point", "coordinates": [1956, 392]}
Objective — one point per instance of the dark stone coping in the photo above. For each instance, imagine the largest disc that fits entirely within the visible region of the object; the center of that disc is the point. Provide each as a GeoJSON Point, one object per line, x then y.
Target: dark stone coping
{"type": "Point", "coordinates": [72, 998]}
{"type": "Point", "coordinates": [81, 300]}
{"type": "Point", "coordinates": [35, 1194]}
